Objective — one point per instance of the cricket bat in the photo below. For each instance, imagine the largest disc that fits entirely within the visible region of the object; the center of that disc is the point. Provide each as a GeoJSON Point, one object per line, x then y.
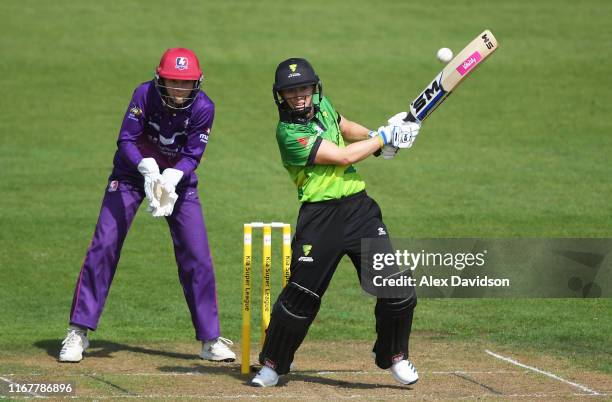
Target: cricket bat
{"type": "Point", "coordinates": [462, 65]}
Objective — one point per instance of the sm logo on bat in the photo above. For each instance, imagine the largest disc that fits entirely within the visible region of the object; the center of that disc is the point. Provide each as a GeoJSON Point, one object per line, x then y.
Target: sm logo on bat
{"type": "Point", "coordinates": [428, 98]}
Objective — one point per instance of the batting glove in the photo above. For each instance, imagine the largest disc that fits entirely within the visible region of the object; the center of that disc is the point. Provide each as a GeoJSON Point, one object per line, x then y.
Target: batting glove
{"type": "Point", "coordinates": [384, 135]}
{"type": "Point", "coordinates": [408, 132]}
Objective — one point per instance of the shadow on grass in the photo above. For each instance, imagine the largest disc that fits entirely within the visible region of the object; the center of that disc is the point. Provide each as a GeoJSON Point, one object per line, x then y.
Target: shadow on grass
{"type": "Point", "coordinates": [297, 376]}
{"type": "Point", "coordinates": [305, 376]}
{"type": "Point", "coordinates": [102, 348]}
{"type": "Point", "coordinates": [105, 349]}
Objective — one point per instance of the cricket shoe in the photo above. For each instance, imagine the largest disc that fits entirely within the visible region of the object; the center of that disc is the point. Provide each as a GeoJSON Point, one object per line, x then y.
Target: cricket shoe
{"type": "Point", "coordinates": [404, 372]}
{"type": "Point", "coordinates": [74, 345]}
{"type": "Point", "coordinates": [216, 350]}
{"type": "Point", "coordinates": [266, 377]}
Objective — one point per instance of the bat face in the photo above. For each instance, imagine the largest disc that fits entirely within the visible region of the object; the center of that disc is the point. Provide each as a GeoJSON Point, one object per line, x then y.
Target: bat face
{"type": "Point", "coordinates": [451, 76]}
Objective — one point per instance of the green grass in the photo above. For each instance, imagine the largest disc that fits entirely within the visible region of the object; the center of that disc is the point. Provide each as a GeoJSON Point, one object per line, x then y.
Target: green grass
{"type": "Point", "coordinates": [521, 150]}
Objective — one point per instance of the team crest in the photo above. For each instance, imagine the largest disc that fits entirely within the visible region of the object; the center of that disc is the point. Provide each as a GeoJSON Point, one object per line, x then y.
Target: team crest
{"type": "Point", "coordinates": [303, 141]}
{"type": "Point", "coordinates": [136, 111]}
{"type": "Point", "coordinates": [293, 67]}
{"type": "Point", "coordinates": [182, 63]}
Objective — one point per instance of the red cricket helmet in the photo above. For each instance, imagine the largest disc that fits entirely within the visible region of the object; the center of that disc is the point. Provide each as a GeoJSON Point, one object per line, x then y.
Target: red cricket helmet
{"type": "Point", "coordinates": [178, 64]}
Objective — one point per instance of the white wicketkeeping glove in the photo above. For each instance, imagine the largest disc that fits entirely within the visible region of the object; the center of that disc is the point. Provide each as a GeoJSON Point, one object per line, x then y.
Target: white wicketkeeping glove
{"type": "Point", "coordinates": [166, 190]}
{"type": "Point", "coordinates": [409, 131]}
{"type": "Point", "coordinates": [150, 171]}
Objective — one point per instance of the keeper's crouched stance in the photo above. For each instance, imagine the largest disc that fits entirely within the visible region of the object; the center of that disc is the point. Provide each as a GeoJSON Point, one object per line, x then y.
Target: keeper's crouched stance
{"type": "Point", "coordinates": [161, 142]}
{"type": "Point", "coordinates": [336, 214]}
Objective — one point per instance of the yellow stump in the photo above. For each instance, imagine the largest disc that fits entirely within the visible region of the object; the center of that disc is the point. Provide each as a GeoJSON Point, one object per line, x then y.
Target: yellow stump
{"type": "Point", "coordinates": [266, 298]}
{"type": "Point", "coordinates": [265, 286]}
{"type": "Point", "coordinates": [246, 299]}
{"type": "Point", "coordinates": [286, 254]}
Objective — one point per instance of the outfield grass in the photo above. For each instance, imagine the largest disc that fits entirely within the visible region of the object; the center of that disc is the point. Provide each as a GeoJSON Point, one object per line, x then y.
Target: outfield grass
{"type": "Point", "coordinates": [521, 150]}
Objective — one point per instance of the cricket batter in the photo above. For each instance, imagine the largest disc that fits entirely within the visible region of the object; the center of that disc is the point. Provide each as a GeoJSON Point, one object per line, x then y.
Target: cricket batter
{"type": "Point", "coordinates": [336, 213]}
{"type": "Point", "coordinates": [161, 142]}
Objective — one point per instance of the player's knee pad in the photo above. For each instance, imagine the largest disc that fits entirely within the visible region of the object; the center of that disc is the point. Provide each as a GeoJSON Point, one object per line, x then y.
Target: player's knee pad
{"type": "Point", "coordinates": [296, 306]}
{"type": "Point", "coordinates": [292, 315]}
{"type": "Point", "coordinates": [395, 307]}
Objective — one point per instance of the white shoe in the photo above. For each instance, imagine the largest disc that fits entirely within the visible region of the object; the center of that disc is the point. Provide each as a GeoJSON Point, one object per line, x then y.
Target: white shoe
{"type": "Point", "coordinates": [74, 345]}
{"type": "Point", "coordinates": [266, 377]}
{"type": "Point", "coordinates": [216, 350]}
{"type": "Point", "coordinates": [404, 372]}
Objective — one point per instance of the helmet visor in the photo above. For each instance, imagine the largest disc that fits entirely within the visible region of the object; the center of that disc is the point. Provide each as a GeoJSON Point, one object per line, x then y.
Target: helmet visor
{"type": "Point", "coordinates": [177, 94]}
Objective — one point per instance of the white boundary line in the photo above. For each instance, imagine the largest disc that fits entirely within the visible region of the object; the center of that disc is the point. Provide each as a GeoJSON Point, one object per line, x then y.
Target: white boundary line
{"type": "Point", "coordinates": [34, 394]}
{"type": "Point", "coordinates": [537, 370]}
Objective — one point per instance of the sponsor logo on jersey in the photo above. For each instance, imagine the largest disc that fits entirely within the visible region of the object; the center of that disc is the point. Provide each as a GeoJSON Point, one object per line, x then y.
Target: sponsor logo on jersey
{"type": "Point", "coordinates": [154, 125]}
{"type": "Point", "coordinates": [170, 141]}
{"type": "Point", "coordinates": [182, 63]}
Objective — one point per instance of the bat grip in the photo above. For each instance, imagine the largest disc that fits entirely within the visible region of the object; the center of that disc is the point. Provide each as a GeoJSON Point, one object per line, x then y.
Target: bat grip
{"type": "Point", "coordinates": [410, 117]}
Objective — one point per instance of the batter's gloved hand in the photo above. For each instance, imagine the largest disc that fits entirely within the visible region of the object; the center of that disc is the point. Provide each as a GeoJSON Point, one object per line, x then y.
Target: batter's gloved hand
{"type": "Point", "coordinates": [400, 136]}
{"type": "Point", "coordinates": [150, 171]}
{"type": "Point", "coordinates": [384, 135]}
{"type": "Point", "coordinates": [409, 131]}
{"type": "Point", "coordinates": [167, 192]}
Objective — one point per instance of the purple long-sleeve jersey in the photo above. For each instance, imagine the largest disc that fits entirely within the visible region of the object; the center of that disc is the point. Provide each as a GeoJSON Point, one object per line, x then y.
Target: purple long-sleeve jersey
{"type": "Point", "coordinates": [174, 138]}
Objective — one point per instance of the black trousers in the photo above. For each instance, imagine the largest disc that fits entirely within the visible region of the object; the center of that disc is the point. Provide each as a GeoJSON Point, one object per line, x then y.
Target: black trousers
{"type": "Point", "coordinates": [330, 230]}
{"type": "Point", "coordinates": [325, 232]}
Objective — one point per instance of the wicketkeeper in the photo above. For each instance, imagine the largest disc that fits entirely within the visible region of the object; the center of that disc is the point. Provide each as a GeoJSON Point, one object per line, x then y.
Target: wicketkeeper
{"type": "Point", "coordinates": [163, 136]}
{"type": "Point", "coordinates": [318, 147]}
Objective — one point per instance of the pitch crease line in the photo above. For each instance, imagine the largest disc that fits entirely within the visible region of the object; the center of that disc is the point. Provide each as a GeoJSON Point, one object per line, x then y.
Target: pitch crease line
{"type": "Point", "coordinates": [546, 373]}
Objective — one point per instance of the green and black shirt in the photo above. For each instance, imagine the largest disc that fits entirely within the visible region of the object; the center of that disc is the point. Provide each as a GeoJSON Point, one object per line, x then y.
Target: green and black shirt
{"type": "Point", "coordinates": [298, 144]}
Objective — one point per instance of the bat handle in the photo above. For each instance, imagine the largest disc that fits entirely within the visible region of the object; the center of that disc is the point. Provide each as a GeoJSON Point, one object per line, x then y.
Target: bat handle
{"type": "Point", "coordinates": [410, 117]}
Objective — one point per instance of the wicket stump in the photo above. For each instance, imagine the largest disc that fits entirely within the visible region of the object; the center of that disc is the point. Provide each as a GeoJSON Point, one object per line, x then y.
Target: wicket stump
{"type": "Point", "coordinates": [266, 287]}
